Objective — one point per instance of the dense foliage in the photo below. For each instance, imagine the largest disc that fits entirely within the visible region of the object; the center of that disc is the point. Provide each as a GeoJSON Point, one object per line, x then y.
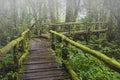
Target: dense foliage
{"type": "Point", "coordinates": [86, 66]}
{"type": "Point", "coordinates": [112, 49]}
{"type": "Point", "coordinates": [7, 68]}
{"type": "Point", "coordinates": [89, 67]}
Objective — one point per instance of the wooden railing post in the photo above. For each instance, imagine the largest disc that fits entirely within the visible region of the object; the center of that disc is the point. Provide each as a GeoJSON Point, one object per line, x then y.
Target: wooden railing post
{"type": "Point", "coordinates": [42, 30]}
{"type": "Point", "coordinates": [15, 56]}
{"type": "Point", "coordinates": [88, 35]}
{"type": "Point", "coordinates": [54, 28]}
{"type": "Point", "coordinates": [24, 46]}
{"type": "Point", "coordinates": [64, 50]}
{"type": "Point", "coordinates": [69, 29]}
{"type": "Point", "coordinates": [28, 35]}
{"type": "Point", "coordinates": [52, 41]}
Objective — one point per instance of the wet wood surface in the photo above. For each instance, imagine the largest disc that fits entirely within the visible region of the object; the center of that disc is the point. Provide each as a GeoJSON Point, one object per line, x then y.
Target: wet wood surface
{"type": "Point", "coordinates": [41, 63]}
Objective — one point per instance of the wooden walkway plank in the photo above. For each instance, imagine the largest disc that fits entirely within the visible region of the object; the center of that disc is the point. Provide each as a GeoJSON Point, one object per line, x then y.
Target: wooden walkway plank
{"type": "Point", "coordinates": [41, 63]}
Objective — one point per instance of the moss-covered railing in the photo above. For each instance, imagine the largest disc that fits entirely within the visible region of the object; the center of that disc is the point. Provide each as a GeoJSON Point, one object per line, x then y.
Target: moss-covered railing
{"type": "Point", "coordinates": [77, 26]}
{"type": "Point", "coordinates": [18, 45]}
{"type": "Point", "coordinates": [69, 27]}
{"type": "Point", "coordinates": [113, 64]}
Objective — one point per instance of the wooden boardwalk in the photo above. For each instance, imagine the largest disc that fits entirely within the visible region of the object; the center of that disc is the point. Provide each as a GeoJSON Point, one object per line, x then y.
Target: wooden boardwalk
{"type": "Point", "coordinates": [41, 63]}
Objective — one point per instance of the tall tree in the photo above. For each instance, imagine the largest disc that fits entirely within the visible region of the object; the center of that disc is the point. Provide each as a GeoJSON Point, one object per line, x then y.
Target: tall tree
{"type": "Point", "coordinates": [77, 9]}
{"type": "Point", "coordinates": [52, 10]}
{"type": "Point", "coordinates": [69, 11]}
{"type": "Point", "coordinates": [72, 10]}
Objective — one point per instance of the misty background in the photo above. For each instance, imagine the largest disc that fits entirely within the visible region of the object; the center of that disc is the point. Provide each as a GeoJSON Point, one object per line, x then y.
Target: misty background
{"type": "Point", "coordinates": [18, 15]}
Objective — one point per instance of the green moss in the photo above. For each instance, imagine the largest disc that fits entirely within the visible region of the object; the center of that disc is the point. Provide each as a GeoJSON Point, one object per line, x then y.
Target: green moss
{"type": "Point", "coordinates": [111, 62]}
{"type": "Point", "coordinates": [10, 45]}
{"type": "Point", "coordinates": [21, 42]}
{"type": "Point", "coordinates": [23, 57]}
{"type": "Point", "coordinates": [71, 71]}
{"type": "Point", "coordinates": [25, 32]}
{"type": "Point", "coordinates": [13, 43]}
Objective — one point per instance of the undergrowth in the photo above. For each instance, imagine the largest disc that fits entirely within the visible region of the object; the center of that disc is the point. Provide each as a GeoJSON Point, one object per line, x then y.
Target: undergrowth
{"type": "Point", "coordinates": [86, 66]}
{"type": "Point", "coordinates": [89, 67]}
{"type": "Point", "coordinates": [8, 70]}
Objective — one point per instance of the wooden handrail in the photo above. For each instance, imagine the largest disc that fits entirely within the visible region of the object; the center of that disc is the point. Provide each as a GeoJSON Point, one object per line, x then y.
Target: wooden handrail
{"type": "Point", "coordinates": [21, 43]}
{"type": "Point", "coordinates": [13, 43]}
{"type": "Point", "coordinates": [74, 23]}
{"type": "Point", "coordinates": [65, 27]}
{"type": "Point", "coordinates": [77, 26]}
{"type": "Point", "coordinates": [113, 64]}
{"type": "Point", "coordinates": [10, 46]}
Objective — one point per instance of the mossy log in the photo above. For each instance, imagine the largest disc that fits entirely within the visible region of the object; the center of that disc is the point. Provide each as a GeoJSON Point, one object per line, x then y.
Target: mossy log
{"type": "Point", "coordinates": [115, 65]}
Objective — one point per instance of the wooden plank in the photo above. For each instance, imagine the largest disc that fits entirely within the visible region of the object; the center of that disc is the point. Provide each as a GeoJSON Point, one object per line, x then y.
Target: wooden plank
{"type": "Point", "coordinates": [41, 63]}
{"type": "Point", "coordinates": [41, 66]}
{"type": "Point", "coordinates": [42, 70]}
{"type": "Point", "coordinates": [47, 77]}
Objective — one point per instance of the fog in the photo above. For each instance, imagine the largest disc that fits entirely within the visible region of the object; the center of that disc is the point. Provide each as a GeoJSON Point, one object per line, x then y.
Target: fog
{"type": "Point", "coordinates": [17, 15]}
{"type": "Point", "coordinates": [43, 9]}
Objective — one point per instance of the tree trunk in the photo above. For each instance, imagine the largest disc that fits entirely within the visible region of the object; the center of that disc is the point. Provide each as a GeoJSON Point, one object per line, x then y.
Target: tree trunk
{"type": "Point", "coordinates": [52, 9]}
{"type": "Point", "coordinates": [69, 11]}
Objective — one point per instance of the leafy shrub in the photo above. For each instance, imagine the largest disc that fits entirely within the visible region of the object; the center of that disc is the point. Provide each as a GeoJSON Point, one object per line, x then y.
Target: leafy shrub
{"type": "Point", "coordinates": [89, 67]}
{"type": "Point", "coordinates": [86, 66]}
{"type": "Point", "coordinates": [7, 68]}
